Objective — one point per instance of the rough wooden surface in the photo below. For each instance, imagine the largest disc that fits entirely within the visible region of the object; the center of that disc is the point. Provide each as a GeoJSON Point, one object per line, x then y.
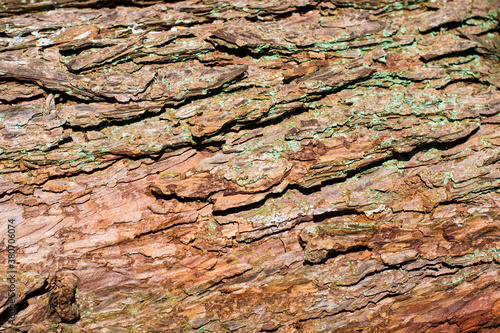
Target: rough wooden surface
{"type": "Point", "coordinates": [251, 166]}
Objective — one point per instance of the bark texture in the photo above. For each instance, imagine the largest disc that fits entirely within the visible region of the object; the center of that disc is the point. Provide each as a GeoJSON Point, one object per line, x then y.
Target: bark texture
{"type": "Point", "coordinates": [251, 166]}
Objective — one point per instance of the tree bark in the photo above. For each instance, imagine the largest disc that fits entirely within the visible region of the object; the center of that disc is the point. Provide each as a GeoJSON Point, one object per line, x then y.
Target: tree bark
{"type": "Point", "coordinates": [252, 166]}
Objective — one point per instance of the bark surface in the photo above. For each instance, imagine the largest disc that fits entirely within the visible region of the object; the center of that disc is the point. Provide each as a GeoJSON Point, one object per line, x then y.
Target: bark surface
{"type": "Point", "coordinates": [251, 166]}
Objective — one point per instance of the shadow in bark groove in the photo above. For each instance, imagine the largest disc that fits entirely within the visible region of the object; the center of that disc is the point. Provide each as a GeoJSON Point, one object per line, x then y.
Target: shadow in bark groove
{"type": "Point", "coordinates": [5, 316]}
{"type": "Point", "coordinates": [333, 254]}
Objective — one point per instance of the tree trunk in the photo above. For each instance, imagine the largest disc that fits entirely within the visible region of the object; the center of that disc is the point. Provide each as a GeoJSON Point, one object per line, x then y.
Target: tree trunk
{"type": "Point", "coordinates": [252, 166]}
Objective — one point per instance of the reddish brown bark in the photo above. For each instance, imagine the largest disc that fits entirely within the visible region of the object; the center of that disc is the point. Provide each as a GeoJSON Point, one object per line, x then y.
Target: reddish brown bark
{"type": "Point", "coordinates": [285, 166]}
